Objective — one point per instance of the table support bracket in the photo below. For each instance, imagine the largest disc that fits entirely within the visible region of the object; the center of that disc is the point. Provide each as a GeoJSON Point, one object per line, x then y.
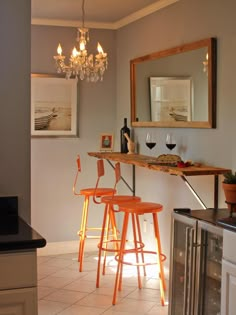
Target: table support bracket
{"type": "Point", "coordinates": [132, 189]}
{"type": "Point", "coordinates": [216, 190]}
{"type": "Point", "coordinates": [193, 192]}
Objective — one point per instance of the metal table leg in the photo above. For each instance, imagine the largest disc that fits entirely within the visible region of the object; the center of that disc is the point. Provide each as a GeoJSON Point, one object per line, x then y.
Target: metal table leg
{"type": "Point", "coordinates": [216, 183]}
{"type": "Point", "coordinates": [194, 192]}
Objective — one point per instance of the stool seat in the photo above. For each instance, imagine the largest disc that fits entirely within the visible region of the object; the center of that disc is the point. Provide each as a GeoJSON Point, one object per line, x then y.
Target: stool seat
{"type": "Point", "coordinates": [141, 207]}
{"type": "Point", "coordinates": [119, 199]}
{"type": "Point", "coordinates": [99, 192]}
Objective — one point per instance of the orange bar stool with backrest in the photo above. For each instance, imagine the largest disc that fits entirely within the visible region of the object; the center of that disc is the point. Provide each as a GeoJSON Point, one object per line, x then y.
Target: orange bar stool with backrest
{"type": "Point", "coordinates": [109, 219]}
{"type": "Point", "coordinates": [88, 193]}
{"type": "Point", "coordinates": [134, 210]}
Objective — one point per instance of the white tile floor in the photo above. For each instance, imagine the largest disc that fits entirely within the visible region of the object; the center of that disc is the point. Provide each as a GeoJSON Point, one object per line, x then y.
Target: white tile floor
{"type": "Point", "coordinates": [63, 290]}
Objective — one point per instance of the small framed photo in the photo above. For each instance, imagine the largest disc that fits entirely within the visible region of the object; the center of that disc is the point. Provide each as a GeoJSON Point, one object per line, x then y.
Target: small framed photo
{"type": "Point", "coordinates": [106, 142]}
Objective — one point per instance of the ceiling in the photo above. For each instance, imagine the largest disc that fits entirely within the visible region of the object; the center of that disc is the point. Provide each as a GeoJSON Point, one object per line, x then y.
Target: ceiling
{"type": "Point", "coordinates": [107, 14]}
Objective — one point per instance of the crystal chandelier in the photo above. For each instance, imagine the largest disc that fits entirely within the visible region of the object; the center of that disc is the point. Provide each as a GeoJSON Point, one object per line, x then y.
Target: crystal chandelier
{"type": "Point", "coordinates": [81, 64]}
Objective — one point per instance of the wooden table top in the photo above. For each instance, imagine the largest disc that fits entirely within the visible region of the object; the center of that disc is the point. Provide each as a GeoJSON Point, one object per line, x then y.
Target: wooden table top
{"type": "Point", "coordinates": [150, 163]}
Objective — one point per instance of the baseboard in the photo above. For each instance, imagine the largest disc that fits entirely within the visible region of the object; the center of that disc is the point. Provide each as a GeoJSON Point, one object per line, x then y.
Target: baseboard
{"type": "Point", "coordinates": [68, 247]}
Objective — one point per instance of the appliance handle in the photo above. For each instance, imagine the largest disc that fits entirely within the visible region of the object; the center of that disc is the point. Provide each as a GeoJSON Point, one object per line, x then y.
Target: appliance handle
{"type": "Point", "coordinates": [186, 267]}
{"type": "Point", "coordinates": [191, 273]}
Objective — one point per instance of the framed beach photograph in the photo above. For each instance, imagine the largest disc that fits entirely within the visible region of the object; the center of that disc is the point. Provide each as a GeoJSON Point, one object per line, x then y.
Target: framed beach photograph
{"type": "Point", "coordinates": [171, 98]}
{"type": "Point", "coordinates": [106, 142]}
{"type": "Point", "coordinates": [53, 106]}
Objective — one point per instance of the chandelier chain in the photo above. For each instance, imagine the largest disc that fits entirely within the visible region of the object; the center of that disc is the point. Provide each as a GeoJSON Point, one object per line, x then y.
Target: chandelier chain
{"type": "Point", "coordinates": [83, 13]}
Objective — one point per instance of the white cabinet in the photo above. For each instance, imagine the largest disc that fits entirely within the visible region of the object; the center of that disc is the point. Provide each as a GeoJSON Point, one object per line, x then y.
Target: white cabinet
{"type": "Point", "coordinates": [228, 288]}
{"type": "Point", "coordinates": [18, 302]}
{"type": "Point", "coordinates": [18, 283]}
{"type": "Point", "coordinates": [228, 284]}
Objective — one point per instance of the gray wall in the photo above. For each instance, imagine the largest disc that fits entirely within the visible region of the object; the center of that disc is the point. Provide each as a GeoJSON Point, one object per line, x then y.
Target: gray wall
{"type": "Point", "coordinates": [56, 212]}
{"type": "Point", "coordinates": [15, 19]}
{"type": "Point", "coordinates": [183, 22]}
{"type": "Point", "coordinates": [102, 107]}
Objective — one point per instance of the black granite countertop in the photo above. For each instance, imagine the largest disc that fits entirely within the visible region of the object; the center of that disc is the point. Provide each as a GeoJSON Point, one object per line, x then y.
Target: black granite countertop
{"type": "Point", "coordinates": [16, 234]}
{"type": "Point", "coordinates": [218, 217]}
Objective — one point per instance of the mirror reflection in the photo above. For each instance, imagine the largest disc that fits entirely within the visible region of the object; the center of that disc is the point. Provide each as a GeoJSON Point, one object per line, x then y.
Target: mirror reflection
{"type": "Point", "coordinates": [175, 87]}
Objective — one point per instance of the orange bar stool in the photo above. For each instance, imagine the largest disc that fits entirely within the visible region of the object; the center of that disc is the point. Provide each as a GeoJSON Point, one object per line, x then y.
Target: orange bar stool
{"type": "Point", "coordinates": [134, 210]}
{"type": "Point", "coordinates": [88, 193]}
{"type": "Point", "coordinates": [109, 220]}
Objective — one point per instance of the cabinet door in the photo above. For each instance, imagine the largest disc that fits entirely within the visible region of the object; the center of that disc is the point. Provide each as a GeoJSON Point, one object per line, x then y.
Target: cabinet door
{"type": "Point", "coordinates": [18, 302]}
{"type": "Point", "coordinates": [210, 268]}
{"type": "Point", "coordinates": [18, 269]}
{"type": "Point", "coordinates": [182, 268]}
{"type": "Point", "coordinates": [228, 288]}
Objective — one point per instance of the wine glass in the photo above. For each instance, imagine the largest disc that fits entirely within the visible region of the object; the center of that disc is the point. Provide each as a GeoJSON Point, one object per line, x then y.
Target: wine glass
{"type": "Point", "coordinates": [170, 141]}
{"type": "Point", "coordinates": [150, 141]}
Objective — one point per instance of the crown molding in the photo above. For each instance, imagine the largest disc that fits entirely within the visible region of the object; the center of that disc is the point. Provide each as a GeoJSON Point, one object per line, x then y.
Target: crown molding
{"type": "Point", "coordinates": [143, 12]}
{"type": "Point", "coordinates": [112, 26]}
{"type": "Point", "coordinates": [72, 23]}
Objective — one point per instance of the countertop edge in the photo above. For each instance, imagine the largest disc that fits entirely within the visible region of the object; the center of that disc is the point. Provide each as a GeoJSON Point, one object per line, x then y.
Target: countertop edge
{"type": "Point", "coordinates": [25, 237]}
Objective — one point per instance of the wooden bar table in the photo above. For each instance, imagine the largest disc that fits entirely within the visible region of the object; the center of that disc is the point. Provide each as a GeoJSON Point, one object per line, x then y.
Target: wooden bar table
{"type": "Point", "coordinates": [152, 164]}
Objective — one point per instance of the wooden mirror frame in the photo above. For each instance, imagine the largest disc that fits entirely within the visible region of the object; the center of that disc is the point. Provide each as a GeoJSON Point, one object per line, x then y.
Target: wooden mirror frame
{"type": "Point", "coordinates": [209, 43]}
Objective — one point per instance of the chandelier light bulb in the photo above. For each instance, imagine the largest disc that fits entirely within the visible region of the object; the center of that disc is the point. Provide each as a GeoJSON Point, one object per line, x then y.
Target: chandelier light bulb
{"type": "Point", "coordinates": [82, 45]}
{"type": "Point", "coordinates": [59, 50]}
{"type": "Point", "coordinates": [99, 48]}
{"type": "Point", "coordinates": [75, 52]}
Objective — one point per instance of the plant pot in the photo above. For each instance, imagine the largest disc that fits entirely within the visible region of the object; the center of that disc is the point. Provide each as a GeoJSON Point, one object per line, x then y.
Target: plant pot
{"type": "Point", "coordinates": [230, 195]}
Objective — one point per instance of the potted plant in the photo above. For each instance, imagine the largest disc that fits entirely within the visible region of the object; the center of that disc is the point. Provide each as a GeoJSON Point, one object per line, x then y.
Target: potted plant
{"type": "Point", "coordinates": [229, 187]}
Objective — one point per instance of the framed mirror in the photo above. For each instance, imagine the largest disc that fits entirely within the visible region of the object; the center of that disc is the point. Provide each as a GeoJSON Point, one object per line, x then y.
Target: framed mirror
{"type": "Point", "coordinates": [175, 87]}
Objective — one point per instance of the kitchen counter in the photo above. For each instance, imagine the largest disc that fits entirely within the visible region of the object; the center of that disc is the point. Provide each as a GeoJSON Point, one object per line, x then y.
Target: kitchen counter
{"type": "Point", "coordinates": [18, 261]}
{"type": "Point", "coordinates": [16, 234]}
{"type": "Point", "coordinates": [196, 261]}
{"type": "Point", "coordinates": [218, 217]}
{"type": "Point", "coordinates": [203, 262]}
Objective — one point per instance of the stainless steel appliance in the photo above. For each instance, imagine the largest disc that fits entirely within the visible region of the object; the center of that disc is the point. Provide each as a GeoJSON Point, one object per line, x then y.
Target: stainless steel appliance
{"type": "Point", "coordinates": [195, 270]}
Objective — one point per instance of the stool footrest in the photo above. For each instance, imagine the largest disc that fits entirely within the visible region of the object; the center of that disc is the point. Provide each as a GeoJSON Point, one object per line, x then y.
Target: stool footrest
{"type": "Point", "coordinates": [105, 243]}
{"type": "Point", "coordinates": [80, 232]}
{"type": "Point", "coordinates": [131, 250]}
{"type": "Point", "coordinates": [118, 258]}
{"type": "Point", "coordinates": [89, 229]}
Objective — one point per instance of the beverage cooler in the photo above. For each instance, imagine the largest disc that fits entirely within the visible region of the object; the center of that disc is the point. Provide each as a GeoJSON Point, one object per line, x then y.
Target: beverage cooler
{"type": "Point", "coordinates": [195, 268]}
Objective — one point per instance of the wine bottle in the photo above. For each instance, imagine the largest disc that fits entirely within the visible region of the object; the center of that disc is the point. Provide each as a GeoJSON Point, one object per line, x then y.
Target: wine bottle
{"type": "Point", "coordinates": [123, 140]}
